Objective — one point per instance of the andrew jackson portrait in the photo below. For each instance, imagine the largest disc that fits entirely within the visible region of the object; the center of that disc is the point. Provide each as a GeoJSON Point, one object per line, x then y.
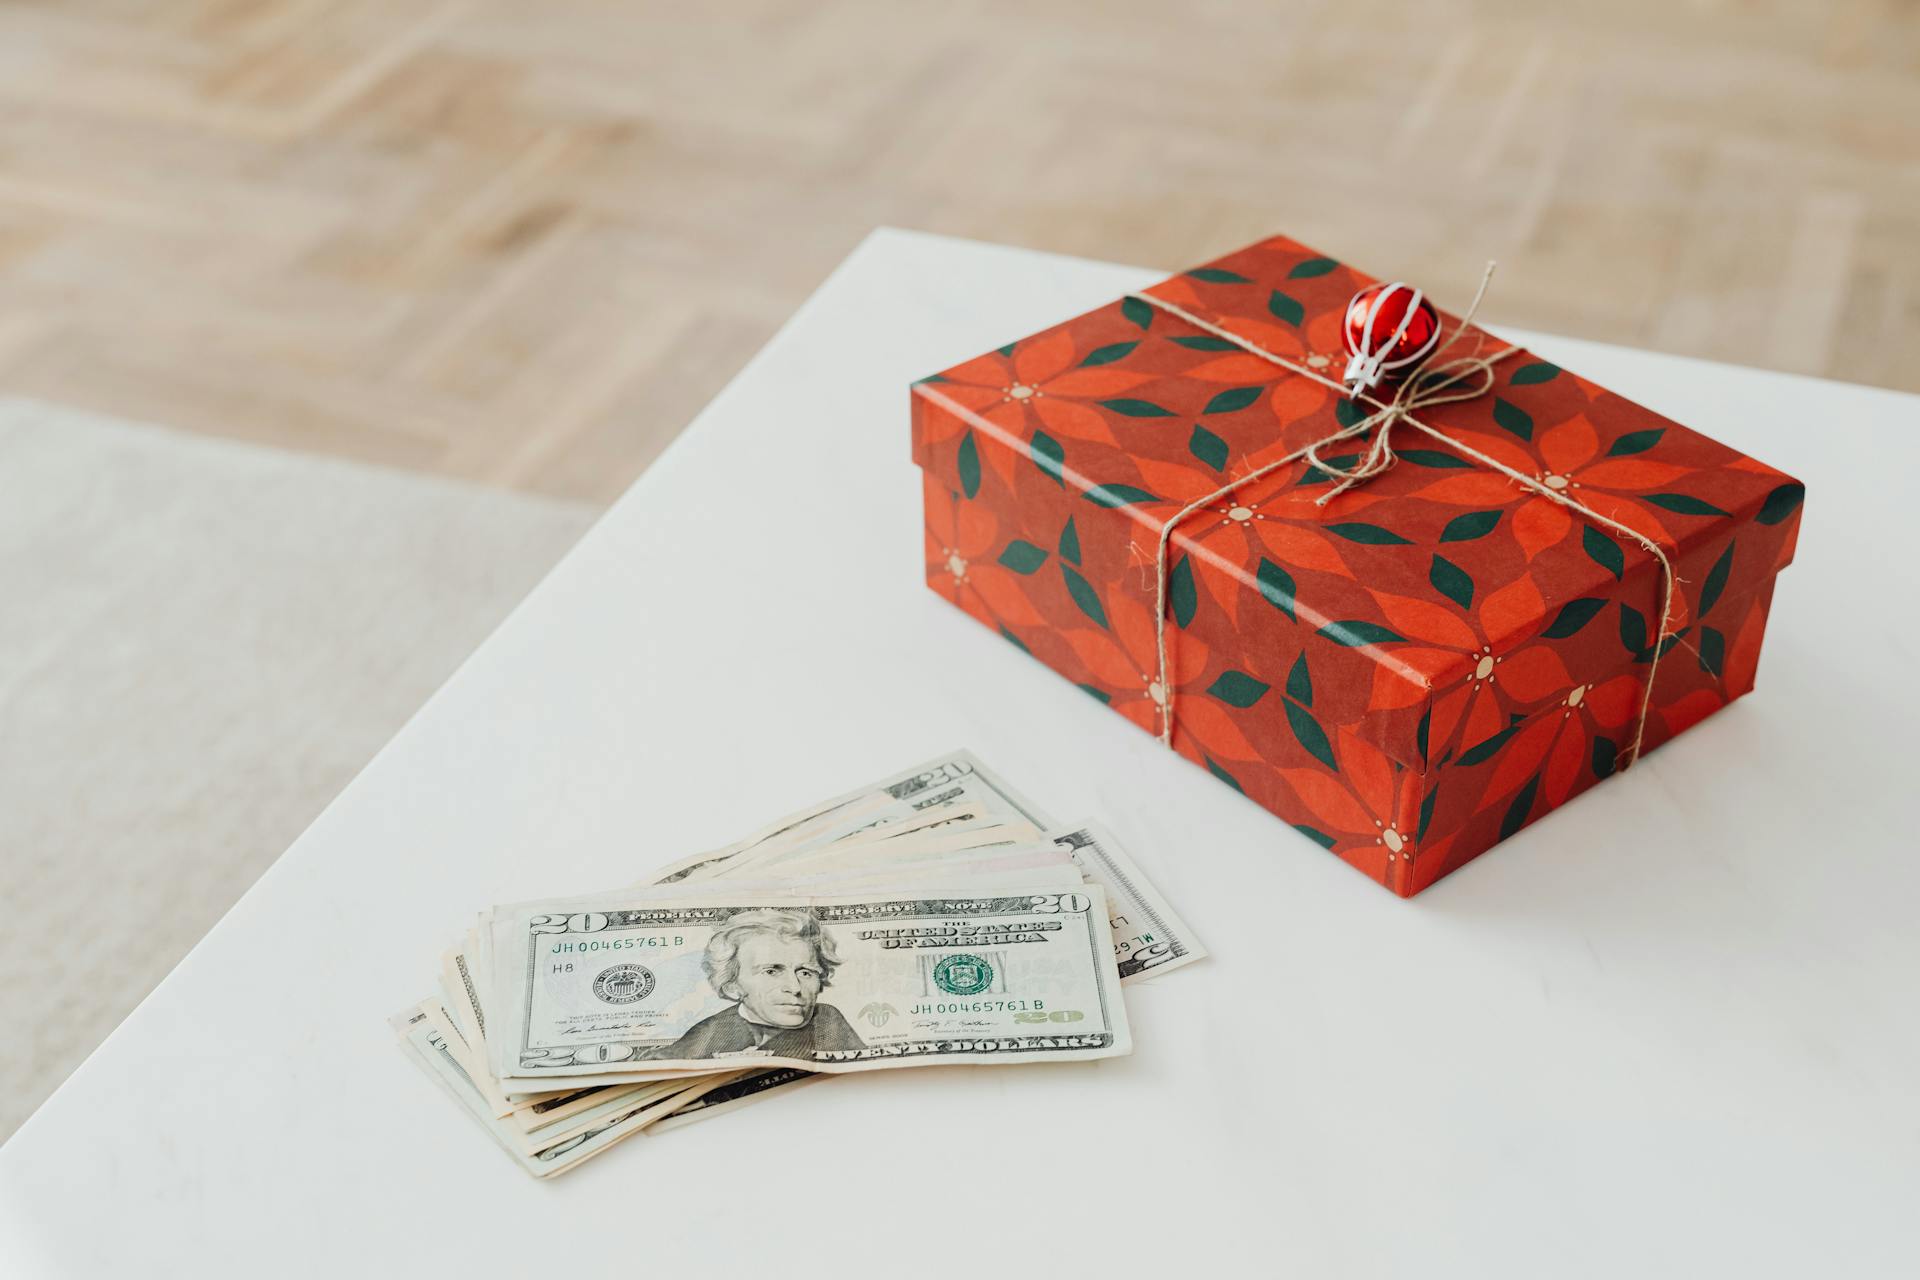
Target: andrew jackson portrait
{"type": "Point", "coordinates": [772, 964]}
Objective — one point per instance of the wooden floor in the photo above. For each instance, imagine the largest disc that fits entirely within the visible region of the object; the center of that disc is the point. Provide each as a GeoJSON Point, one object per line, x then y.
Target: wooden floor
{"type": "Point", "coordinates": [524, 243]}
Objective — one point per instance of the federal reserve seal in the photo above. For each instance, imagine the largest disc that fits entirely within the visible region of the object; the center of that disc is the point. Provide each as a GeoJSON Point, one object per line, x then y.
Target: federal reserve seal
{"type": "Point", "coordinates": [963, 975]}
{"type": "Point", "coordinates": [624, 983]}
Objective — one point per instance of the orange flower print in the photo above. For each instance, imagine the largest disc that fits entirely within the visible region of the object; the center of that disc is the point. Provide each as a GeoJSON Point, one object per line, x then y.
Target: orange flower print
{"type": "Point", "coordinates": [1499, 683]}
{"type": "Point", "coordinates": [1044, 378]}
{"type": "Point", "coordinates": [1291, 397]}
{"type": "Point", "coordinates": [1481, 707]}
{"type": "Point", "coordinates": [1284, 527]}
{"type": "Point", "coordinates": [1366, 812]}
{"type": "Point", "coordinates": [1537, 765]}
{"type": "Point", "coordinates": [1583, 737]}
{"type": "Point", "coordinates": [961, 538]}
{"type": "Point", "coordinates": [1125, 664]}
{"type": "Point", "coordinates": [1313, 340]}
{"type": "Point", "coordinates": [1617, 483]}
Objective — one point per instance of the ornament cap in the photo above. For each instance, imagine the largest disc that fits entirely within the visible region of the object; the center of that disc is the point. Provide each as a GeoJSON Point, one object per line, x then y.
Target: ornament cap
{"type": "Point", "coordinates": [1363, 373]}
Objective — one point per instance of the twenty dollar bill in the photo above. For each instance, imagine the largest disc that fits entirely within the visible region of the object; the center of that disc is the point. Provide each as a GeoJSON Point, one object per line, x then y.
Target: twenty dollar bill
{"type": "Point", "coordinates": [1148, 938]}
{"type": "Point", "coordinates": [724, 982]}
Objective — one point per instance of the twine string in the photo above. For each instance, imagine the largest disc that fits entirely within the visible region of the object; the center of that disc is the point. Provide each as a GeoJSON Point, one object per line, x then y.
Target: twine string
{"type": "Point", "coordinates": [1464, 378]}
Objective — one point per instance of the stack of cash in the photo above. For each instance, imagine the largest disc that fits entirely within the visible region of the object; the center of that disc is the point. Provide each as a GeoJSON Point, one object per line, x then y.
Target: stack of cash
{"type": "Point", "coordinates": [934, 917]}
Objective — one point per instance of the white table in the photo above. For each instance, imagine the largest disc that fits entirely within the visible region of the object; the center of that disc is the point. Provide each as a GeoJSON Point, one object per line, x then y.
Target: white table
{"type": "Point", "coordinates": [1669, 1030]}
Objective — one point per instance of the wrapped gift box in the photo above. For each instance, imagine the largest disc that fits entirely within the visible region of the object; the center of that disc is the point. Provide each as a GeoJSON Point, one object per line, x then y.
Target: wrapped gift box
{"type": "Point", "coordinates": [1407, 674]}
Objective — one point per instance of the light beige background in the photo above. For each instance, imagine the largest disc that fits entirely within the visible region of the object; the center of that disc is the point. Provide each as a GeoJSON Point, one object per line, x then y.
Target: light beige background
{"type": "Point", "coordinates": [521, 243]}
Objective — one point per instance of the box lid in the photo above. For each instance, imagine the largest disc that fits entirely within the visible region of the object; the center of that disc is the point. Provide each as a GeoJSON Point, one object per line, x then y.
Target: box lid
{"type": "Point", "coordinates": [1400, 597]}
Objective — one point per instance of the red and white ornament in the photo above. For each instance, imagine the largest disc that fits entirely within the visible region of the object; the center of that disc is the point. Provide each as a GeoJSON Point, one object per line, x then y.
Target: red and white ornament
{"type": "Point", "coordinates": [1390, 329]}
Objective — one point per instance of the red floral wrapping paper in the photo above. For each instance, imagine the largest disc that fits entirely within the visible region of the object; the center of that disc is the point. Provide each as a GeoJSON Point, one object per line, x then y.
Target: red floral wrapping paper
{"type": "Point", "coordinates": [1414, 671]}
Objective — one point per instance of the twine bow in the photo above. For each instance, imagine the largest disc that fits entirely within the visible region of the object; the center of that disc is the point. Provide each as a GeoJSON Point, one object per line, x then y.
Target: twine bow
{"type": "Point", "coordinates": [1432, 382]}
{"type": "Point", "coordinates": [1467, 378]}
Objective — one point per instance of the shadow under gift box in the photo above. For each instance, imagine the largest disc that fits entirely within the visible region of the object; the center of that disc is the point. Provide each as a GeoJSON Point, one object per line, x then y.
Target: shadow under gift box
{"type": "Point", "coordinates": [1408, 674]}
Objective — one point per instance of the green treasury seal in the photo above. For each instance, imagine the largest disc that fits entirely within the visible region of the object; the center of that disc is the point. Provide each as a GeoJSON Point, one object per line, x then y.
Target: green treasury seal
{"type": "Point", "coordinates": [963, 975]}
